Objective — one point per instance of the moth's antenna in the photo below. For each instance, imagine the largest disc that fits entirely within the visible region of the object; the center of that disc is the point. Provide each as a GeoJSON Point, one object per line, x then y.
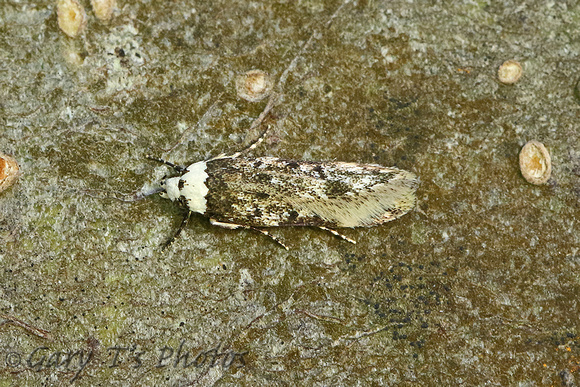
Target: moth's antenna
{"type": "Point", "coordinates": [253, 145]}
{"type": "Point", "coordinates": [257, 122]}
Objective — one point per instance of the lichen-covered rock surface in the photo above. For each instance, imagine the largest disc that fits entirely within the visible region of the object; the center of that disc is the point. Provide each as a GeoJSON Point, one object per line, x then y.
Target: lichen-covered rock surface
{"type": "Point", "coordinates": [478, 284]}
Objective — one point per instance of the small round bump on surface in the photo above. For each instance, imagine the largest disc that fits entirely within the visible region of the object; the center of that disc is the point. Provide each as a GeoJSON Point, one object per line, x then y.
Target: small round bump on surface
{"type": "Point", "coordinates": [510, 72]}
{"type": "Point", "coordinates": [8, 171]}
{"type": "Point", "coordinates": [535, 163]}
{"type": "Point", "coordinates": [103, 9]}
{"type": "Point", "coordinates": [254, 86]}
{"type": "Point", "coordinates": [72, 18]}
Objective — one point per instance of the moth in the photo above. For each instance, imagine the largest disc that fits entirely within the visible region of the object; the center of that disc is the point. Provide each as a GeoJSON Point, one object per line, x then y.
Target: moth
{"type": "Point", "coordinates": [256, 193]}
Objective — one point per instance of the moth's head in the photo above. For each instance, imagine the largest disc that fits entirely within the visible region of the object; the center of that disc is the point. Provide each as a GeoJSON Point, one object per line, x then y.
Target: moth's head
{"type": "Point", "coordinates": [170, 188]}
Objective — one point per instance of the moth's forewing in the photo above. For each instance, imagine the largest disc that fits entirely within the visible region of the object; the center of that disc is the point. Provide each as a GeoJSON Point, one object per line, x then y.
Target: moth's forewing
{"type": "Point", "coordinates": [270, 192]}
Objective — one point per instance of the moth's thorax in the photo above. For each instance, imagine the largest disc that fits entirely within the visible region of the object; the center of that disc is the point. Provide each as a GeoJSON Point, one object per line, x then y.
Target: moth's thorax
{"type": "Point", "coordinates": [190, 186]}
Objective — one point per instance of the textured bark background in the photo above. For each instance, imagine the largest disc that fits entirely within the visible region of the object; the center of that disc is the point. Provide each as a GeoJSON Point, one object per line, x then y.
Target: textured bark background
{"type": "Point", "coordinates": [479, 284]}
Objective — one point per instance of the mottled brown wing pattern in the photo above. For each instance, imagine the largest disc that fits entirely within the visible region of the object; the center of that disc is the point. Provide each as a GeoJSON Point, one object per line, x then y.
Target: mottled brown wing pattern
{"type": "Point", "coordinates": [268, 192]}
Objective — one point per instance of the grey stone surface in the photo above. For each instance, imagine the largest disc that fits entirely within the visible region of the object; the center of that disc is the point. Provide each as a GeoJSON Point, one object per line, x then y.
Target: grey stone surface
{"type": "Point", "coordinates": [478, 285]}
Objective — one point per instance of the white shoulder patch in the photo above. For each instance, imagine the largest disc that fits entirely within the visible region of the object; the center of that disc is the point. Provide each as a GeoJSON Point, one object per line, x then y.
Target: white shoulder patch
{"type": "Point", "coordinates": [193, 187]}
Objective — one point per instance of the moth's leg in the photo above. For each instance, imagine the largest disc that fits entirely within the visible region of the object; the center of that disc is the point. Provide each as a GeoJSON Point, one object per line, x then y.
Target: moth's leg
{"type": "Point", "coordinates": [337, 234]}
{"type": "Point", "coordinates": [176, 234]}
{"type": "Point", "coordinates": [233, 226]}
{"type": "Point", "coordinates": [178, 168]}
{"type": "Point", "coordinates": [269, 235]}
